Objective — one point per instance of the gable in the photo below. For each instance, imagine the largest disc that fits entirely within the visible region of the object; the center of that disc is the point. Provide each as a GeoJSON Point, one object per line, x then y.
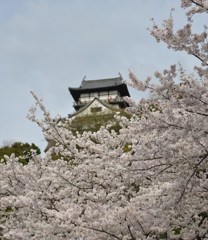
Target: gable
{"type": "Point", "coordinates": [94, 107]}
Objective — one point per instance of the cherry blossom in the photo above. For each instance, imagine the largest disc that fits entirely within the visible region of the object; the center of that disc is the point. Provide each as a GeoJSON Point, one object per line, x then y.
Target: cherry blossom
{"type": "Point", "coordinates": [149, 181]}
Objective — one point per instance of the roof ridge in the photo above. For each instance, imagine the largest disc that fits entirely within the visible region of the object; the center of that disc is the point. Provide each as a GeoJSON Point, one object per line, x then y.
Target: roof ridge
{"type": "Point", "coordinates": [103, 79]}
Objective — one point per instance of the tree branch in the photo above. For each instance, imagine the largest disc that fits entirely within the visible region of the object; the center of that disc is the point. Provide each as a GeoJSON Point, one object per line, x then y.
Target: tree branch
{"type": "Point", "coordinates": [155, 166]}
{"type": "Point", "coordinates": [72, 184]}
{"type": "Point", "coordinates": [132, 236]}
{"type": "Point", "coordinates": [103, 231]}
{"type": "Point", "coordinates": [196, 3]}
{"type": "Point", "coordinates": [199, 113]}
{"type": "Point", "coordinates": [189, 179]}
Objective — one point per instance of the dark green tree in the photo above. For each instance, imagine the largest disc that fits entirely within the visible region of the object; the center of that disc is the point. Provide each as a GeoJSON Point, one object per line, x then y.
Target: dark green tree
{"type": "Point", "coordinates": [21, 150]}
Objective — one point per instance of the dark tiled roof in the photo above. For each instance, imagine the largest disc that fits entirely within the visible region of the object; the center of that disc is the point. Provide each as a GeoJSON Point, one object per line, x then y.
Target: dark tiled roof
{"type": "Point", "coordinates": [101, 83]}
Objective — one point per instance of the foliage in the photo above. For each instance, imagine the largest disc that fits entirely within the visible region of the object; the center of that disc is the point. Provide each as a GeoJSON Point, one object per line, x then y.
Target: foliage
{"type": "Point", "coordinates": [21, 150]}
{"type": "Point", "coordinates": [148, 181]}
{"type": "Point", "coordinates": [94, 122]}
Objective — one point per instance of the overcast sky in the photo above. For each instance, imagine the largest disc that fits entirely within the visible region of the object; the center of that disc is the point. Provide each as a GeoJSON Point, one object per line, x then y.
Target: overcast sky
{"type": "Point", "coordinates": [48, 45]}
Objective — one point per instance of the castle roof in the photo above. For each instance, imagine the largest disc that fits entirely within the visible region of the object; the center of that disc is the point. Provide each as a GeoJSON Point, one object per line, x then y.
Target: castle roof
{"type": "Point", "coordinates": [100, 85]}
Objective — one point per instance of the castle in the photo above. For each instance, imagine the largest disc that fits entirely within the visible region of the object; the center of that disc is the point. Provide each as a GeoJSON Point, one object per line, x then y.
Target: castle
{"type": "Point", "coordinates": [99, 96]}
{"type": "Point", "coordinates": [95, 103]}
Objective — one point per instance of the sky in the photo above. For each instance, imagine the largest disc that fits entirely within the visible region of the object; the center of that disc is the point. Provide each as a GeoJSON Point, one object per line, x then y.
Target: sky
{"type": "Point", "coordinates": [48, 45]}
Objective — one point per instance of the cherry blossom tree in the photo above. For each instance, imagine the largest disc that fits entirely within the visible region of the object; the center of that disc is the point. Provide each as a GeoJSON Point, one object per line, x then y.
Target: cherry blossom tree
{"type": "Point", "coordinates": [147, 181]}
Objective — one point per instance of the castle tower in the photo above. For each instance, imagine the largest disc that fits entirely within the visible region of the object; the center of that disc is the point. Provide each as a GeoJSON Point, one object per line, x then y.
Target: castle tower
{"type": "Point", "coordinates": [95, 102]}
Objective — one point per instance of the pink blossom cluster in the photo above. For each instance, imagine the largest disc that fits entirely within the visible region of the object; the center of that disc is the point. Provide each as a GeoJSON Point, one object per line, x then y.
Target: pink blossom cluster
{"type": "Point", "coordinates": [149, 181]}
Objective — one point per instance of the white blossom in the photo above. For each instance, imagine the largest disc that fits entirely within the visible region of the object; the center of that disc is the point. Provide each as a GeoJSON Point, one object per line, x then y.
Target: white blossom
{"type": "Point", "coordinates": [147, 181]}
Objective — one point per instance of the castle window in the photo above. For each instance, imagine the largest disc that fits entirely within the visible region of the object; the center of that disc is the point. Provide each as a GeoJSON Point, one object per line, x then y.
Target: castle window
{"type": "Point", "coordinates": [93, 94]}
{"type": "Point", "coordinates": [103, 95]}
{"type": "Point", "coordinates": [113, 93]}
{"type": "Point", "coordinates": [96, 109]}
{"type": "Point", "coordinates": [84, 97]}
